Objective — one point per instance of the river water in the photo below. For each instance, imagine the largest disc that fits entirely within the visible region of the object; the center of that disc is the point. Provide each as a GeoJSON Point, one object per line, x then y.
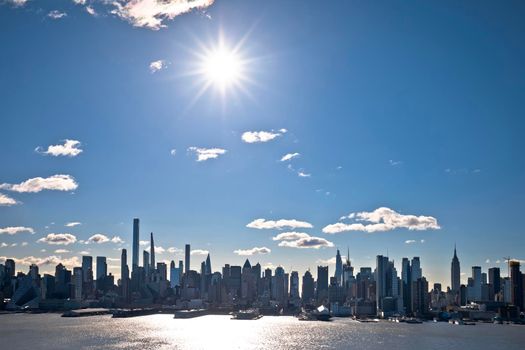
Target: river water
{"type": "Point", "coordinates": [50, 331]}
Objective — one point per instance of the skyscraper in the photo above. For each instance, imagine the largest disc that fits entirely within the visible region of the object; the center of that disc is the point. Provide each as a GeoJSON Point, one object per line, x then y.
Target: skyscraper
{"type": "Point", "coordinates": [102, 268]}
{"type": "Point", "coordinates": [145, 262]}
{"type": "Point", "coordinates": [124, 274]}
{"type": "Point", "coordinates": [308, 287]}
{"type": "Point", "coordinates": [77, 281]}
{"type": "Point", "coordinates": [208, 265]}
{"type": "Point", "coordinates": [135, 262]}
{"type": "Point", "coordinates": [187, 258]}
{"type": "Point", "coordinates": [294, 285]}
{"type": "Point", "coordinates": [381, 278]}
{"type": "Point", "coordinates": [406, 285]}
{"type": "Point", "coordinates": [455, 273]}
{"type": "Point", "coordinates": [338, 268]}
{"type": "Point", "coordinates": [322, 283]}
{"type": "Point", "coordinates": [152, 251]}
{"type": "Point", "coordinates": [87, 267]}
{"type": "Point", "coordinates": [516, 280]}
{"type": "Point", "coordinates": [494, 279]}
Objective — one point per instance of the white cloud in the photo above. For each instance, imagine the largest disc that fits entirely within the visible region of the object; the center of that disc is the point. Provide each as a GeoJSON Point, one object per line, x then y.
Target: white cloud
{"type": "Point", "coordinates": [206, 153]}
{"type": "Point", "coordinates": [69, 148]}
{"type": "Point", "coordinates": [261, 136]}
{"type": "Point", "coordinates": [50, 260]}
{"type": "Point", "coordinates": [13, 230]}
{"type": "Point", "coordinates": [24, 244]}
{"type": "Point", "coordinates": [395, 162]}
{"type": "Point", "coordinates": [199, 252]}
{"type": "Point", "coordinates": [73, 224]}
{"type": "Point", "coordinates": [410, 241]}
{"type": "Point", "coordinates": [91, 11]}
{"type": "Point", "coordinates": [37, 184]}
{"type": "Point", "coordinates": [383, 219]}
{"type": "Point", "coordinates": [155, 66]}
{"type": "Point", "coordinates": [290, 236]}
{"type": "Point", "coordinates": [79, 2]}
{"type": "Point", "coordinates": [3, 245]}
{"type": "Point", "coordinates": [18, 3]}
{"type": "Point", "coordinates": [58, 239]}
{"type": "Point", "coordinates": [279, 224]}
{"type": "Point", "coordinates": [307, 242]}
{"type": "Point", "coordinates": [61, 251]}
{"type": "Point", "coordinates": [55, 14]}
{"type": "Point", "coordinates": [7, 201]}
{"type": "Point", "coordinates": [100, 238]}
{"type": "Point", "coordinates": [487, 261]}
{"type": "Point", "coordinates": [253, 251]}
{"type": "Point", "coordinates": [289, 156]}
{"type": "Point", "coordinates": [152, 13]}
{"type": "Point", "coordinates": [173, 152]}
{"type": "Point", "coordinates": [303, 174]}
{"type": "Point", "coordinates": [143, 242]}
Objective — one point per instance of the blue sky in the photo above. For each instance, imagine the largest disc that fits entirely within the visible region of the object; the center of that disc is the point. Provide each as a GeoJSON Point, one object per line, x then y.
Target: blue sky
{"type": "Point", "coordinates": [412, 106]}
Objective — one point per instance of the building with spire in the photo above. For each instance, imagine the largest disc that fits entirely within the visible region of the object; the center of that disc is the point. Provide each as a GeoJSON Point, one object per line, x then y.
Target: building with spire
{"type": "Point", "coordinates": [135, 258]}
{"type": "Point", "coordinates": [152, 251]}
{"type": "Point", "coordinates": [338, 268]}
{"type": "Point", "coordinates": [455, 273]}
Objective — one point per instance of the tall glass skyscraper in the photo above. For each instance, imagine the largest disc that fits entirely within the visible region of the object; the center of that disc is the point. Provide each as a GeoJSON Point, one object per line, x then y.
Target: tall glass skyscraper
{"type": "Point", "coordinates": [135, 258]}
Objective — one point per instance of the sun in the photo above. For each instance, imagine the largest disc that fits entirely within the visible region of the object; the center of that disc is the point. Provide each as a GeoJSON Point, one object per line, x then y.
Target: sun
{"type": "Point", "coordinates": [222, 67]}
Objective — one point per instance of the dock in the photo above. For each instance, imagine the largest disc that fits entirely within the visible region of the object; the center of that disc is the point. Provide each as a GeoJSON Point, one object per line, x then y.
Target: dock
{"type": "Point", "coordinates": [86, 312]}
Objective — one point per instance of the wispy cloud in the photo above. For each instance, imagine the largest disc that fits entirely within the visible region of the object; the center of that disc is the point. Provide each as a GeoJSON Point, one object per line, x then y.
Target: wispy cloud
{"type": "Point", "coordinates": [79, 2]}
{"type": "Point", "coordinates": [383, 219]}
{"type": "Point", "coordinates": [58, 239]}
{"type": "Point", "coordinates": [173, 250]}
{"type": "Point", "coordinates": [62, 251]}
{"type": "Point", "coordinates": [13, 230]}
{"type": "Point", "coordinates": [261, 136]}
{"type": "Point", "coordinates": [17, 3]}
{"type": "Point", "coordinates": [69, 149]}
{"type": "Point", "coordinates": [279, 224]}
{"type": "Point", "coordinates": [414, 241]}
{"type": "Point", "coordinates": [303, 174]}
{"type": "Point", "coordinates": [153, 13]}
{"type": "Point", "coordinates": [143, 242]}
{"type": "Point", "coordinates": [253, 251]}
{"type": "Point", "coordinates": [206, 153]}
{"type": "Point", "coordinates": [289, 156]}
{"type": "Point", "coordinates": [199, 252]}
{"type": "Point", "coordinates": [73, 224]}
{"type": "Point", "coordinates": [37, 184]}
{"type": "Point", "coordinates": [395, 162]}
{"type": "Point", "coordinates": [7, 201]}
{"type": "Point", "coordinates": [55, 14]}
{"type": "Point", "coordinates": [155, 66]}
{"type": "Point", "coordinates": [173, 152]}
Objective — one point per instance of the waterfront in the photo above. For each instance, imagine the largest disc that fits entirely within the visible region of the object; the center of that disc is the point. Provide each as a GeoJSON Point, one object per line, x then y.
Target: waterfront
{"type": "Point", "coordinates": [50, 331]}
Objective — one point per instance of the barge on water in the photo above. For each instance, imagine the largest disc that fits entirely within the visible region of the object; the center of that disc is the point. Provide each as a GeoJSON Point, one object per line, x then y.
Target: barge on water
{"type": "Point", "coordinates": [122, 313]}
{"type": "Point", "coordinates": [250, 314]}
{"type": "Point", "coordinates": [85, 312]}
{"type": "Point", "coordinates": [190, 313]}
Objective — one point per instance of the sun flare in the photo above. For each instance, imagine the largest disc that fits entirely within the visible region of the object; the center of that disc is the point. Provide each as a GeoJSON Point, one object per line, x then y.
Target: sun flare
{"type": "Point", "coordinates": [222, 67]}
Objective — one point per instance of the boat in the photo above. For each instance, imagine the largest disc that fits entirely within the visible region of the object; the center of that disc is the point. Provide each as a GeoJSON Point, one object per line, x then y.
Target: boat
{"type": "Point", "coordinates": [322, 313]}
{"type": "Point", "coordinates": [413, 321]}
{"type": "Point", "coordinates": [124, 313]}
{"type": "Point", "coordinates": [190, 313]}
{"type": "Point", "coordinates": [249, 314]}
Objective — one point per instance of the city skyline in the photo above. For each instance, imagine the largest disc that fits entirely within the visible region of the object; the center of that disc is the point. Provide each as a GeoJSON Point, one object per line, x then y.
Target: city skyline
{"type": "Point", "coordinates": [264, 128]}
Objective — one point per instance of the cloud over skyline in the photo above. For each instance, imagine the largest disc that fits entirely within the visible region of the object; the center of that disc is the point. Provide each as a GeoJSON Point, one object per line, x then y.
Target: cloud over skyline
{"type": "Point", "coordinates": [289, 156]}
{"type": "Point", "coordinates": [68, 149]}
{"type": "Point", "coordinates": [155, 66]}
{"type": "Point", "coordinates": [73, 224]}
{"type": "Point", "coordinates": [58, 239]}
{"type": "Point", "coordinates": [53, 183]}
{"type": "Point", "coordinates": [307, 242]}
{"type": "Point", "coordinates": [382, 219]}
{"type": "Point", "coordinates": [253, 251]}
{"type": "Point", "coordinates": [261, 224]}
{"type": "Point", "coordinates": [199, 252]}
{"type": "Point", "coordinates": [100, 238]}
